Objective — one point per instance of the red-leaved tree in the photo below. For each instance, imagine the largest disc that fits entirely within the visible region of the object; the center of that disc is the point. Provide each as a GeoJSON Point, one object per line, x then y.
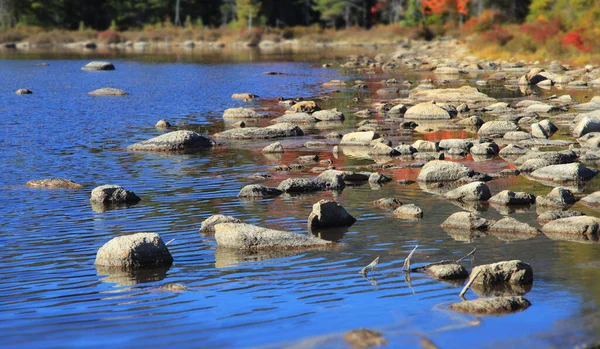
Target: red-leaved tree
{"type": "Point", "coordinates": [430, 7]}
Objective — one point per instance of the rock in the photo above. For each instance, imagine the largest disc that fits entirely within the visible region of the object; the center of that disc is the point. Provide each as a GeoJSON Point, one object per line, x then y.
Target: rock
{"type": "Point", "coordinates": [485, 149]}
{"type": "Point", "coordinates": [409, 211]}
{"type": "Point", "coordinates": [507, 197]}
{"type": "Point", "coordinates": [443, 171]}
{"type": "Point", "coordinates": [181, 140]}
{"type": "Point", "coordinates": [378, 178]}
{"type": "Point", "coordinates": [299, 185]}
{"type": "Point", "coordinates": [141, 250]}
{"type": "Point", "coordinates": [171, 287]}
{"type": "Point", "coordinates": [162, 124]}
{"type": "Point", "coordinates": [492, 306]}
{"type": "Point", "coordinates": [552, 157]}
{"type": "Point", "coordinates": [333, 135]}
{"type": "Point", "coordinates": [348, 176]}
{"type": "Point", "coordinates": [426, 111]}
{"type": "Point", "coordinates": [577, 228]}
{"type": "Point", "coordinates": [295, 118]}
{"type": "Point", "coordinates": [53, 183]}
{"type": "Point", "coordinates": [273, 148]}
{"type": "Point", "coordinates": [497, 128]}
{"type": "Point", "coordinates": [308, 158]}
{"type": "Point", "coordinates": [558, 197]}
{"type": "Point", "coordinates": [364, 338]}
{"type": "Point", "coordinates": [592, 199]}
{"type": "Point", "coordinates": [511, 272]}
{"type": "Point", "coordinates": [303, 107]}
{"type": "Point", "coordinates": [511, 229]}
{"type": "Point", "coordinates": [543, 129]}
{"type": "Point", "coordinates": [248, 237]}
{"type": "Point", "coordinates": [512, 149]}
{"type": "Point", "coordinates": [474, 120]}
{"type": "Point", "coordinates": [359, 138]}
{"type": "Point", "coordinates": [99, 66]}
{"type": "Point", "coordinates": [258, 191]}
{"type": "Point", "coordinates": [240, 113]}
{"type": "Point", "coordinates": [476, 191]}
{"type": "Point", "coordinates": [108, 91]}
{"type": "Point", "coordinates": [455, 144]}
{"type": "Point", "coordinates": [466, 94]}
{"type": "Point", "coordinates": [244, 96]}
{"type": "Point", "coordinates": [398, 109]}
{"type": "Point", "coordinates": [517, 136]}
{"type": "Point", "coordinates": [426, 146]}
{"type": "Point", "coordinates": [465, 220]}
{"type": "Point", "coordinates": [269, 132]}
{"type": "Point", "coordinates": [109, 194]}
{"type": "Point", "coordinates": [405, 149]}
{"type": "Point", "coordinates": [388, 203]}
{"type": "Point", "coordinates": [564, 173]}
{"type": "Point", "coordinates": [329, 214]}
{"type": "Point", "coordinates": [556, 214]}
{"type": "Point", "coordinates": [447, 271]}
{"type": "Point", "coordinates": [329, 115]}
{"type": "Point", "coordinates": [382, 149]}
{"type": "Point", "coordinates": [208, 225]}
{"type": "Point", "coordinates": [23, 91]}
{"type": "Point", "coordinates": [540, 108]}
{"type": "Point", "coordinates": [585, 126]}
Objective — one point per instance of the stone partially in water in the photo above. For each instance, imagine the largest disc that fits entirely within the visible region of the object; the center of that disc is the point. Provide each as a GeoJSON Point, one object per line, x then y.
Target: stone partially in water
{"type": "Point", "coordinates": [592, 199]}
{"type": "Point", "coordinates": [497, 128]}
{"type": "Point", "coordinates": [565, 173]}
{"type": "Point", "coordinates": [512, 272]}
{"type": "Point", "coordinates": [558, 197]}
{"type": "Point", "coordinates": [99, 66]}
{"type": "Point", "coordinates": [329, 214]}
{"type": "Point", "coordinates": [141, 250]}
{"type": "Point", "coordinates": [274, 131]}
{"type": "Point", "coordinates": [174, 141]}
{"type": "Point", "coordinates": [466, 94]}
{"type": "Point", "coordinates": [107, 91]}
{"type": "Point", "coordinates": [23, 91]}
{"type": "Point", "coordinates": [53, 183]}
{"type": "Point", "coordinates": [447, 271]}
{"type": "Point", "coordinates": [388, 203]}
{"type": "Point", "coordinates": [359, 138]}
{"type": "Point", "coordinates": [492, 306]}
{"type": "Point", "coordinates": [363, 338]}
{"type": "Point", "coordinates": [162, 124]}
{"type": "Point", "coordinates": [299, 185]}
{"type": "Point", "coordinates": [208, 225]}
{"type": "Point", "coordinates": [426, 111]}
{"type": "Point", "coordinates": [250, 237]}
{"type": "Point", "coordinates": [579, 229]}
{"type": "Point", "coordinates": [465, 220]}
{"type": "Point", "coordinates": [409, 211]}
{"type": "Point", "coordinates": [273, 148]}
{"type": "Point", "coordinates": [253, 191]}
{"type": "Point", "coordinates": [476, 191]}
{"type": "Point", "coordinates": [240, 113]}
{"type": "Point", "coordinates": [507, 197]}
{"type": "Point", "coordinates": [110, 194]}
{"type": "Point", "coordinates": [556, 214]}
{"type": "Point", "coordinates": [510, 229]}
{"type": "Point", "coordinates": [378, 178]}
{"type": "Point", "coordinates": [443, 171]}
{"type": "Point", "coordinates": [243, 96]}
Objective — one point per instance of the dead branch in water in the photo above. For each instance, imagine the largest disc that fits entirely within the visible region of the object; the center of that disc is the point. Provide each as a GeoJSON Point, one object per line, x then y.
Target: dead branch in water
{"type": "Point", "coordinates": [468, 285]}
{"type": "Point", "coordinates": [371, 265]}
{"type": "Point", "coordinates": [425, 267]}
{"type": "Point", "coordinates": [167, 244]}
{"type": "Point", "coordinates": [406, 266]}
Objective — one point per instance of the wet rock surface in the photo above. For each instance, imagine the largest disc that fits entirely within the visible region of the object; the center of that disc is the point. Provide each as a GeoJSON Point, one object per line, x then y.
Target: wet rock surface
{"type": "Point", "coordinates": [141, 250]}
{"type": "Point", "coordinates": [208, 225]}
{"type": "Point", "coordinates": [492, 306]}
{"type": "Point", "coordinates": [53, 183]}
{"type": "Point", "coordinates": [173, 142]}
{"type": "Point", "coordinates": [511, 272]}
{"type": "Point", "coordinates": [250, 237]}
{"type": "Point", "coordinates": [110, 194]}
{"type": "Point", "coordinates": [329, 214]}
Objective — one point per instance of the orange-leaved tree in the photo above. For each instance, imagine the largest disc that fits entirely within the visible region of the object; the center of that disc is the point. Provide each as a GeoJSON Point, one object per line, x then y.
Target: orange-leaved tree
{"type": "Point", "coordinates": [430, 7]}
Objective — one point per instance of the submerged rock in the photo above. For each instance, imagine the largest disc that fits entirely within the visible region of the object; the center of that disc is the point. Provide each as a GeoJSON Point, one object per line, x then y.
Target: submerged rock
{"type": "Point", "coordinates": [109, 194]}
{"type": "Point", "coordinates": [107, 91]}
{"type": "Point", "coordinates": [579, 228]}
{"type": "Point", "coordinates": [258, 191]}
{"type": "Point", "coordinates": [99, 66]}
{"type": "Point", "coordinates": [364, 338]}
{"type": "Point", "coordinates": [174, 141]}
{"type": "Point", "coordinates": [208, 225]}
{"type": "Point", "coordinates": [329, 214]}
{"type": "Point", "coordinates": [250, 237]}
{"type": "Point", "coordinates": [492, 306]}
{"type": "Point", "coordinates": [273, 131]}
{"type": "Point", "coordinates": [163, 124]}
{"type": "Point", "coordinates": [53, 183]}
{"type": "Point", "coordinates": [139, 250]}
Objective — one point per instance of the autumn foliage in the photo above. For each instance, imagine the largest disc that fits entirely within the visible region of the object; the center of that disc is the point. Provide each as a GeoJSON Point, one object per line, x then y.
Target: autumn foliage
{"type": "Point", "coordinates": [430, 7]}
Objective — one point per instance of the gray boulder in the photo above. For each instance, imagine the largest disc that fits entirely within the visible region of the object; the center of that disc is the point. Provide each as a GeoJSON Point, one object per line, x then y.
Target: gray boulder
{"type": "Point", "coordinates": [299, 185]}
{"type": "Point", "coordinates": [510, 229]}
{"type": "Point", "coordinates": [557, 214]}
{"type": "Point", "coordinates": [329, 214]}
{"type": "Point", "coordinates": [488, 148]}
{"type": "Point", "coordinates": [476, 191]}
{"type": "Point", "coordinates": [426, 146]}
{"type": "Point", "coordinates": [208, 225]}
{"type": "Point", "coordinates": [507, 197]}
{"type": "Point", "coordinates": [443, 171]}
{"type": "Point", "coordinates": [497, 128]}
{"type": "Point", "coordinates": [578, 228]}
{"type": "Point", "coordinates": [329, 115]}
{"type": "Point", "coordinates": [455, 144]}
{"type": "Point", "coordinates": [543, 129]}
{"type": "Point", "coordinates": [23, 91]}
{"type": "Point", "coordinates": [426, 111]}
{"type": "Point", "coordinates": [409, 211]}
{"type": "Point", "coordinates": [273, 148]}
{"type": "Point", "coordinates": [162, 124]}
{"type": "Point", "coordinates": [511, 272]}
{"type": "Point", "coordinates": [181, 140]}
{"type": "Point", "coordinates": [141, 250]}
{"type": "Point", "coordinates": [240, 113]}
{"type": "Point", "coordinates": [585, 126]}
{"type": "Point", "coordinates": [107, 91]}
{"type": "Point", "coordinates": [564, 173]}
{"type": "Point", "coordinates": [592, 199]}
{"type": "Point", "coordinates": [558, 197]}
{"type": "Point", "coordinates": [387, 203]}
{"type": "Point", "coordinates": [253, 191]}
{"type": "Point", "coordinates": [99, 66]}
{"type": "Point", "coordinates": [447, 271]}
{"type": "Point", "coordinates": [378, 178]}
{"type": "Point", "coordinates": [274, 131]}
{"type": "Point", "coordinates": [295, 118]}
{"type": "Point", "coordinates": [359, 138]}
{"type": "Point", "coordinates": [492, 306]}
{"type": "Point", "coordinates": [53, 183]}
{"type": "Point", "coordinates": [512, 150]}
{"type": "Point", "coordinates": [465, 220]}
{"type": "Point", "coordinates": [248, 237]}
{"type": "Point", "coordinates": [109, 194]}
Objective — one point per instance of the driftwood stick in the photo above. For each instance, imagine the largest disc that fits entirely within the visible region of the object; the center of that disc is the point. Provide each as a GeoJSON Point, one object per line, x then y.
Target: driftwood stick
{"type": "Point", "coordinates": [468, 285]}
{"type": "Point", "coordinates": [167, 244]}
{"type": "Point", "coordinates": [467, 255]}
{"type": "Point", "coordinates": [371, 265]}
{"type": "Point", "coordinates": [406, 266]}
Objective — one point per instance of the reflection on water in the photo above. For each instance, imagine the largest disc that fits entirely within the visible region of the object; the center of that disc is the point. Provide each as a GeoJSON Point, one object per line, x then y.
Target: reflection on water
{"type": "Point", "coordinates": [53, 294]}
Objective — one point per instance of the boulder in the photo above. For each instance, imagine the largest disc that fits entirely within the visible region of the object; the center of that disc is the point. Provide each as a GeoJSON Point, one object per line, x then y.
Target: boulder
{"type": "Point", "coordinates": [99, 66]}
{"type": "Point", "coordinates": [409, 211]}
{"type": "Point", "coordinates": [517, 136]}
{"type": "Point", "coordinates": [564, 173]}
{"type": "Point", "coordinates": [426, 111]}
{"type": "Point", "coordinates": [107, 91]}
{"type": "Point", "coordinates": [208, 225]}
{"type": "Point", "coordinates": [447, 271]}
{"type": "Point", "coordinates": [274, 131]}
{"type": "Point", "coordinates": [492, 306]}
{"type": "Point", "coordinates": [474, 120]}
{"type": "Point", "coordinates": [585, 126]}
{"type": "Point", "coordinates": [511, 150]}
{"type": "Point", "coordinates": [240, 113]}
{"type": "Point", "coordinates": [141, 250]}
{"type": "Point", "coordinates": [405, 149]}
{"type": "Point", "coordinates": [557, 214]}
{"type": "Point", "coordinates": [329, 115]}
{"type": "Point", "coordinates": [378, 178]}
{"type": "Point", "coordinates": [273, 148]}
{"type": "Point", "coordinates": [426, 146]}
{"type": "Point", "coordinates": [476, 191]}
{"type": "Point", "coordinates": [466, 94]}
{"type": "Point", "coordinates": [443, 171]}
{"type": "Point", "coordinates": [387, 203]}
{"type": "Point", "coordinates": [455, 144]}
{"type": "Point", "coordinates": [465, 220]}
{"type": "Point", "coordinates": [382, 149]}
{"type": "Point", "coordinates": [162, 124]}
{"type": "Point", "coordinates": [507, 197]}
{"type": "Point", "coordinates": [509, 229]}
{"type": "Point", "coordinates": [299, 185]}
{"type": "Point", "coordinates": [181, 140]}
{"type": "Point", "coordinates": [109, 194]}
{"type": "Point", "coordinates": [558, 197]}
{"type": "Point", "coordinates": [511, 272]}
{"type": "Point", "coordinates": [552, 157]}
{"type": "Point", "coordinates": [53, 183]}
{"type": "Point", "coordinates": [485, 149]}
{"type": "Point", "coordinates": [398, 109]}
{"type": "Point", "coordinates": [303, 107]}
{"type": "Point", "coordinates": [248, 237]}
{"type": "Point", "coordinates": [578, 228]}
{"type": "Point", "coordinates": [295, 118]}
{"type": "Point", "coordinates": [592, 199]}
{"type": "Point", "coordinates": [543, 129]}
{"type": "Point", "coordinates": [243, 96]}
{"type": "Point", "coordinates": [359, 138]}
{"type": "Point", "coordinates": [23, 91]}
{"type": "Point", "coordinates": [497, 128]}
{"type": "Point", "coordinates": [329, 214]}
{"type": "Point", "coordinates": [258, 191]}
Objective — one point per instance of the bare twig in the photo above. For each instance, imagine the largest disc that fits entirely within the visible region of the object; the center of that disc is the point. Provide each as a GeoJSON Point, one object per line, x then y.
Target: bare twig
{"type": "Point", "coordinates": [371, 266]}
{"type": "Point", "coordinates": [406, 266]}
{"type": "Point", "coordinates": [467, 255]}
{"type": "Point", "coordinates": [468, 285]}
{"type": "Point", "coordinates": [167, 244]}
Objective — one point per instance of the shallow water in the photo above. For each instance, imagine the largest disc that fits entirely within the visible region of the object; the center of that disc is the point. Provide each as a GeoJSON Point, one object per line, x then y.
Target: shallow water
{"type": "Point", "coordinates": [53, 296]}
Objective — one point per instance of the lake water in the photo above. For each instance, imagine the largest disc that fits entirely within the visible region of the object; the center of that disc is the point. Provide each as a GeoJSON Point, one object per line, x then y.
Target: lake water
{"type": "Point", "coordinates": [54, 297]}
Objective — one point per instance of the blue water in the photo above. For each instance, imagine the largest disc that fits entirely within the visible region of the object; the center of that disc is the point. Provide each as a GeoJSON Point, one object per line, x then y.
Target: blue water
{"type": "Point", "coordinates": [54, 297]}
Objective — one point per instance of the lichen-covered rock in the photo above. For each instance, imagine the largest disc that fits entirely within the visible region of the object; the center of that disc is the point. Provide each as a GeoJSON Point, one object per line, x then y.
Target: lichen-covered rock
{"type": "Point", "coordinates": [465, 220]}
{"type": "Point", "coordinates": [248, 237]}
{"type": "Point", "coordinates": [476, 191]}
{"type": "Point", "coordinates": [109, 194]}
{"type": "Point", "coordinates": [507, 197]}
{"type": "Point", "coordinates": [141, 250]}
{"type": "Point", "coordinates": [443, 171]}
{"type": "Point", "coordinates": [409, 211]}
{"type": "Point", "coordinates": [329, 214]}
{"type": "Point", "coordinates": [274, 131]}
{"type": "Point", "coordinates": [579, 228]}
{"type": "Point", "coordinates": [512, 272]}
{"type": "Point", "coordinates": [258, 191]}
{"type": "Point", "coordinates": [174, 141]}
{"type": "Point", "coordinates": [53, 183]}
{"type": "Point", "coordinates": [273, 148]}
{"type": "Point", "coordinates": [573, 172]}
{"type": "Point", "coordinates": [208, 225]}
{"type": "Point", "coordinates": [492, 306]}
{"type": "Point", "coordinates": [558, 197]}
{"type": "Point", "coordinates": [388, 203]}
{"type": "Point", "coordinates": [107, 91]}
{"type": "Point", "coordinates": [99, 66]}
